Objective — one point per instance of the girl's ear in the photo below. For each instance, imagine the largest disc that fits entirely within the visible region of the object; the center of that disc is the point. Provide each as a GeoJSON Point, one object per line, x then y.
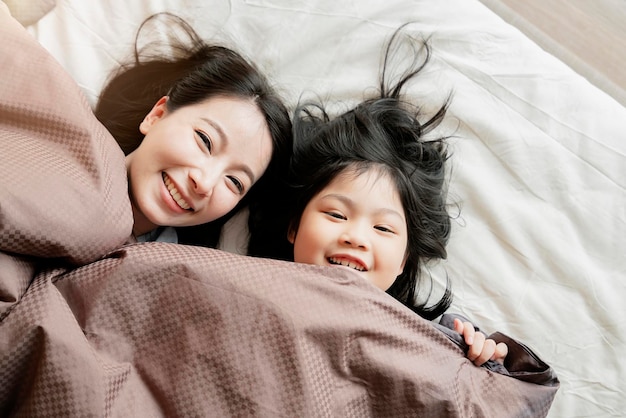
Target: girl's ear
{"type": "Point", "coordinates": [403, 264]}
{"type": "Point", "coordinates": [156, 113]}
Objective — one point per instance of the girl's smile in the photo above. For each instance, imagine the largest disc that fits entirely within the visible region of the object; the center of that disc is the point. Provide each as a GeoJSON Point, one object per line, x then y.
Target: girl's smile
{"type": "Point", "coordinates": [357, 222]}
{"type": "Point", "coordinates": [347, 261]}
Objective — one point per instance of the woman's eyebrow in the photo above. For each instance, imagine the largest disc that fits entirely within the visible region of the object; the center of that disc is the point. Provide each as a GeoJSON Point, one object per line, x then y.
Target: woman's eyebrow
{"type": "Point", "coordinates": [225, 141]}
{"type": "Point", "coordinates": [218, 128]}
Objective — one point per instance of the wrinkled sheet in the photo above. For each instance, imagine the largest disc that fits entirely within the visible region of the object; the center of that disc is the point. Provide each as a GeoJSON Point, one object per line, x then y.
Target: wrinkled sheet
{"type": "Point", "coordinates": [538, 165]}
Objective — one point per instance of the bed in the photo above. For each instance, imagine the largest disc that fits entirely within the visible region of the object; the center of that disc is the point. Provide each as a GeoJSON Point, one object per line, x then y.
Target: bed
{"type": "Point", "coordinates": [537, 251]}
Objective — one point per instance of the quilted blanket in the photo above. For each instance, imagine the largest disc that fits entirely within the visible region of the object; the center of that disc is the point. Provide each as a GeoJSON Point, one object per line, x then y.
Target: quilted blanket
{"type": "Point", "coordinates": [92, 325]}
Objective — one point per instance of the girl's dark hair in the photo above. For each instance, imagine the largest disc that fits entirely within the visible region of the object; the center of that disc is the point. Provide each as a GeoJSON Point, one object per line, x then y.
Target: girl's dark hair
{"type": "Point", "coordinates": [195, 71]}
{"type": "Point", "coordinates": [384, 132]}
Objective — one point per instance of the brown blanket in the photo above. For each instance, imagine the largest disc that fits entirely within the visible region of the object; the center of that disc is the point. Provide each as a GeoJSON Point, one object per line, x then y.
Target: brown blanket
{"type": "Point", "coordinates": [90, 326]}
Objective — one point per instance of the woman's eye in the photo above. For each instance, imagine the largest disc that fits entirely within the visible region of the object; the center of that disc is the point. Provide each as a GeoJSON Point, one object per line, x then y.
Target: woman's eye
{"type": "Point", "coordinates": [205, 139]}
{"type": "Point", "coordinates": [238, 185]}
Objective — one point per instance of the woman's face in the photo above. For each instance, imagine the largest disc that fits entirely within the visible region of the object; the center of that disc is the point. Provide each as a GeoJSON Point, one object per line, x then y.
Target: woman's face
{"type": "Point", "coordinates": [196, 163]}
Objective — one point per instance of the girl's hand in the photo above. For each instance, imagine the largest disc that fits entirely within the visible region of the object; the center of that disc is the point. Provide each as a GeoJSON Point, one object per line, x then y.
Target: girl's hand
{"type": "Point", "coordinates": [481, 349]}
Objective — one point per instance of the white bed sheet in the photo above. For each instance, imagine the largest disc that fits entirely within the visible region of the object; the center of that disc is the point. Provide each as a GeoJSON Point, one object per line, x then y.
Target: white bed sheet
{"type": "Point", "coordinates": [539, 164]}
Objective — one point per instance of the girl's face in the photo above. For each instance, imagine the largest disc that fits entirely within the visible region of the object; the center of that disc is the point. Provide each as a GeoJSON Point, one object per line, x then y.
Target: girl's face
{"type": "Point", "coordinates": [196, 163]}
{"type": "Point", "coordinates": [357, 222]}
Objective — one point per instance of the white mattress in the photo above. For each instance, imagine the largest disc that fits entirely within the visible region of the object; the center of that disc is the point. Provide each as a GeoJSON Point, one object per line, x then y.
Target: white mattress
{"type": "Point", "coordinates": [539, 155]}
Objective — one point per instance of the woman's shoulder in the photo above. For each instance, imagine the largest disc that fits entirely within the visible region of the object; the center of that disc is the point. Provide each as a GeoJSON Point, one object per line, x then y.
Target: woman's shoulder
{"type": "Point", "coordinates": [160, 234]}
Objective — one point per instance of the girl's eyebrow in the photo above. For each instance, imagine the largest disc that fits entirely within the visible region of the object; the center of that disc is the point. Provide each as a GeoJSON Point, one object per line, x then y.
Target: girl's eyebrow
{"type": "Point", "coordinates": [352, 204]}
{"type": "Point", "coordinates": [225, 141]}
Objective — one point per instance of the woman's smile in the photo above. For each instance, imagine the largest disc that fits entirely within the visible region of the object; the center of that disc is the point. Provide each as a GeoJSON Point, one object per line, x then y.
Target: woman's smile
{"type": "Point", "coordinates": [175, 195]}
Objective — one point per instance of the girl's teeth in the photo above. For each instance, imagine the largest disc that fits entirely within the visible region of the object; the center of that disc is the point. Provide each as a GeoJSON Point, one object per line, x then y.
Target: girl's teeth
{"type": "Point", "coordinates": [346, 264]}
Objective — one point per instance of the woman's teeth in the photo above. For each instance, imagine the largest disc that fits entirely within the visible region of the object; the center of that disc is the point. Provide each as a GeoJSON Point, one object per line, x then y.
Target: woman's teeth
{"type": "Point", "coordinates": [175, 193]}
{"type": "Point", "coordinates": [345, 263]}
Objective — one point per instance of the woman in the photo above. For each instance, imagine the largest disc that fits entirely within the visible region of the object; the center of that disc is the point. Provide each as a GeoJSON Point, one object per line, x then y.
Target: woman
{"type": "Point", "coordinates": [199, 130]}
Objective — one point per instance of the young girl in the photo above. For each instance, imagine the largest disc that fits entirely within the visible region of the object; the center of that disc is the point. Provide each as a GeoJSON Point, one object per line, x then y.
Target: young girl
{"type": "Point", "coordinates": [203, 133]}
{"type": "Point", "coordinates": [368, 195]}
{"type": "Point", "coordinates": [359, 221]}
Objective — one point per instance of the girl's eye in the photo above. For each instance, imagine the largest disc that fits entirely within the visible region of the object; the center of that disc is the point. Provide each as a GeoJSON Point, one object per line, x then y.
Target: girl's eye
{"type": "Point", "coordinates": [383, 229]}
{"type": "Point", "coordinates": [205, 139]}
{"type": "Point", "coordinates": [238, 185]}
{"type": "Point", "coordinates": [335, 215]}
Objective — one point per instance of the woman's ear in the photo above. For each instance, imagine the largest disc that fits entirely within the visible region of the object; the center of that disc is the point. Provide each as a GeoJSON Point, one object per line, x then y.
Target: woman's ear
{"type": "Point", "coordinates": [291, 234]}
{"type": "Point", "coordinates": [156, 113]}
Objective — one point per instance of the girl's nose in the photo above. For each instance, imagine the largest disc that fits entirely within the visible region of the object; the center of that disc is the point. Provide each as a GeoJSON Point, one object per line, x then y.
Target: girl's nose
{"type": "Point", "coordinates": [354, 237]}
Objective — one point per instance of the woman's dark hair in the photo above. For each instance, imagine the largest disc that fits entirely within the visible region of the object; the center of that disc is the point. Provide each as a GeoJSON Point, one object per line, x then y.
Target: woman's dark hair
{"type": "Point", "coordinates": [384, 133]}
{"type": "Point", "coordinates": [194, 72]}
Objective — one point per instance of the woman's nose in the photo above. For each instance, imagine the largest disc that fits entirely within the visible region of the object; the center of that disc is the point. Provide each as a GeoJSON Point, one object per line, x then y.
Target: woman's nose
{"type": "Point", "coordinates": [203, 181]}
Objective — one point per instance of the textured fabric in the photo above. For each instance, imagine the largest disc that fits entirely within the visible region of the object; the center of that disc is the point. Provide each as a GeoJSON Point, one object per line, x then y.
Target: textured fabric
{"type": "Point", "coordinates": [62, 193]}
{"type": "Point", "coordinates": [158, 329]}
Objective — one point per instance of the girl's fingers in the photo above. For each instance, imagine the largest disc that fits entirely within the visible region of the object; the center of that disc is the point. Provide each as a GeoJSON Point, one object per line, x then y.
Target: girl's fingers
{"type": "Point", "coordinates": [458, 325]}
{"type": "Point", "coordinates": [468, 333]}
{"type": "Point", "coordinates": [476, 347]}
{"type": "Point", "coordinates": [488, 349]}
{"type": "Point", "coordinates": [500, 353]}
